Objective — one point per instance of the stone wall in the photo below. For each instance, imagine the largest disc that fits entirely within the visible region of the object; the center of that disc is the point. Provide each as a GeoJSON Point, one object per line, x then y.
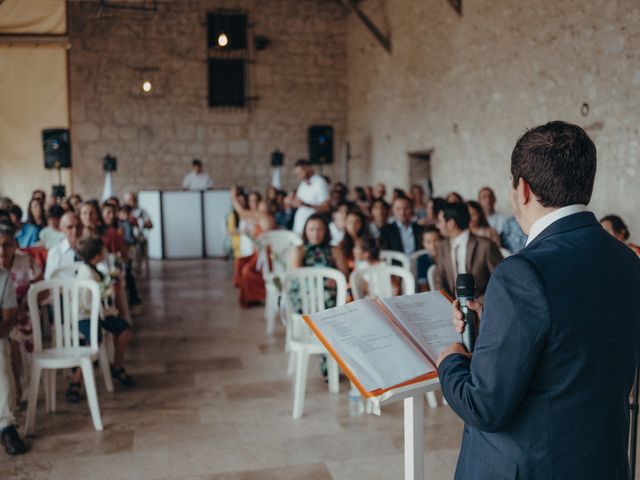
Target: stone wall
{"type": "Point", "coordinates": [468, 86]}
{"type": "Point", "coordinates": [300, 80]}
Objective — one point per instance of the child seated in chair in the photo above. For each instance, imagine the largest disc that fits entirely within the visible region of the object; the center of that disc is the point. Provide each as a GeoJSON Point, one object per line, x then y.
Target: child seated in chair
{"type": "Point", "coordinates": [367, 254]}
{"type": "Point", "coordinates": [91, 252]}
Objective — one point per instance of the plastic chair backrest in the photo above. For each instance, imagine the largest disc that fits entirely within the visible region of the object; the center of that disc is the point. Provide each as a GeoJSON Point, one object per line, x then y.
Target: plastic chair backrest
{"type": "Point", "coordinates": [413, 258]}
{"type": "Point", "coordinates": [431, 277]}
{"type": "Point", "coordinates": [311, 287]}
{"type": "Point", "coordinates": [65, 302]}
{"type": "Point", "coordinates": [277, 243]}
{"type": "Point", "coordinates": [390, 256]}
{"type": "Point", "coordinates": [378, 280]}
{"type": "Point", "coordinates": [68, 271]}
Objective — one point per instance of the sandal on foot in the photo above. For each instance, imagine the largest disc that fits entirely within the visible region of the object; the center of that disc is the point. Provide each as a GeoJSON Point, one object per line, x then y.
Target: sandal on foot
{"type": "Point", "coordinates": [123, 377]}
{"type": "Point", "coordinates": [73, 392]}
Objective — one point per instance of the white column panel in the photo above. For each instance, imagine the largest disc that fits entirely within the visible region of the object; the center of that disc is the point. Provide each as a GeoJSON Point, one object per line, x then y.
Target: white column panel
{"type": "Point", "coordinates": [182, 217]}
{"type": "Point", "coordinates": [217, 205]}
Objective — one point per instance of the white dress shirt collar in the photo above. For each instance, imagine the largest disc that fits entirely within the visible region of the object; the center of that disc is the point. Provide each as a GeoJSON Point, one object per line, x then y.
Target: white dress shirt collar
{"type": "Point", "coordinates": [461, 239]}
{"type": "Point", "coordinates": [542, 223]}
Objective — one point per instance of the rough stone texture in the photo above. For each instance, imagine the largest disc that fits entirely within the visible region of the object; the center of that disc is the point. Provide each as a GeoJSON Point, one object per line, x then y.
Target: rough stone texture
{"type": "Point", "coordinates": [468, 87]}
{"type": "Point", "coordinates": [300, 80]}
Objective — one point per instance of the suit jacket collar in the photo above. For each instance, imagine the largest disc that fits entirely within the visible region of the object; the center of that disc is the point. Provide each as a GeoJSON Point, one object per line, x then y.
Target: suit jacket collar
{"type": "Point", "coordinates": [472, 244]}
{"type": "Point", "coordinates": [566, 224]}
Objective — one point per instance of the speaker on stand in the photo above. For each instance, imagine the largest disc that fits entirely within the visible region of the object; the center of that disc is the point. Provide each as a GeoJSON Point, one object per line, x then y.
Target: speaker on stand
{"type": "Point", "coordinates": [320, 139]}
{"type": "Point", "coordinates": [57, 155]}
{"type": "Point", "coordinates": [109, 165]}
{"type": "Point", "coordinates": [277, 160]}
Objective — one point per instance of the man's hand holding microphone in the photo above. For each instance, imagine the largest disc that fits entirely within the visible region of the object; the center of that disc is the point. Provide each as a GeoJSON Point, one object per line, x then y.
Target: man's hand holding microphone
{"type": "Point", "coordinates": [466, 315]}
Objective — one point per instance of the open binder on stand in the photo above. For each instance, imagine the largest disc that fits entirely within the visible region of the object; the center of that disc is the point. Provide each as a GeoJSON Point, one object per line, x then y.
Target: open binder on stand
{"type": "Point", "coordinates": [388, 348]}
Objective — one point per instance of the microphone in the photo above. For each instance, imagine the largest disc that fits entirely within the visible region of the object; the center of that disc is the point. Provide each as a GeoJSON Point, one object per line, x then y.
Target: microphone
{"type": "Point", "coordinates": [465, 291]}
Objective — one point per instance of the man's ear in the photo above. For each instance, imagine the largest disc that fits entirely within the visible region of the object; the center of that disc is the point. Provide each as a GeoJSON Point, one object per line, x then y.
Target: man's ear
{"type": "Point", "coordinates": [523, 191]}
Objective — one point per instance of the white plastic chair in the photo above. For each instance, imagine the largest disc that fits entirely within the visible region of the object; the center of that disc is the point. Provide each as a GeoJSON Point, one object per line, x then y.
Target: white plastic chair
{"type": "Point", "coordinates": [505, 253]}
{"type": "Point", "coordinates": [274, 248]}
{"type": "Point", "coordinates": [106, 348]}
{"type": "Point", "coordinates": [413, 258]}
{"type": "Point", "coordinates": [431, 277]}
{"type": "Point", "coordinates": [67, 352]}
{"type": "Point", "coordinates": [302, 342]}
{"type": "Point", "coordinates": [378, 281]}
{"type": "Point", "coordinates": [391, 256]}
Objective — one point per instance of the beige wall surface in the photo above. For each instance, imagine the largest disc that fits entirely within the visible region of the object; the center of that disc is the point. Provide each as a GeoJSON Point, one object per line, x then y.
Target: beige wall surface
{"type": "Point", "coordinates": [299, 79]}
{"type": "Point", "coordinates": [33, 96]}
{"type": "Point", "coordinates": [468, 86]}
{"type": "Point", "coordinates": [33, 16]}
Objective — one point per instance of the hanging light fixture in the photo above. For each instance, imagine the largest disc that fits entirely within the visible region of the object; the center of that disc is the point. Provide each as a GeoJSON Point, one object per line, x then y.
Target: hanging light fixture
{"type": "Point", "coordinates": [223, 40]}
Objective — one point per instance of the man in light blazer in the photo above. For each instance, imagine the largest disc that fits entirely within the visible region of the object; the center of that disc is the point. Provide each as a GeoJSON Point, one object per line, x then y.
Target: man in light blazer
{"type": "Point", "coordinates": [462, 252]}
{"type": "Point", "coordinates": [545, 394]}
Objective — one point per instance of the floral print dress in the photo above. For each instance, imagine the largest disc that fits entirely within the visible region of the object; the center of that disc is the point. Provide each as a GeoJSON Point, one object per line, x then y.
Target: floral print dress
{"type": "Point", "coordinates": [315, 256]}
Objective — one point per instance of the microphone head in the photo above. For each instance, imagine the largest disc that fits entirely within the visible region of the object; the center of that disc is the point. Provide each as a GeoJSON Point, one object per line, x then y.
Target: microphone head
{"type": "Point", "coordinates": [465, 285]}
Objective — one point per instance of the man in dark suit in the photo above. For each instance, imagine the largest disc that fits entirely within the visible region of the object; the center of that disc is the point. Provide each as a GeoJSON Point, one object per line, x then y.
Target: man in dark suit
{"type": "Point", "coordinates": [403, 235]}
{"type": "Point", "coordinates": [545, 394]}
{"type": "Point", "coordinates": [462, 252]}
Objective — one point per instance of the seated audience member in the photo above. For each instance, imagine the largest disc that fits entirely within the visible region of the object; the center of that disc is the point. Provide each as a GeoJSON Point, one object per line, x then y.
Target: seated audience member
{"type": "Point", "coordinates": [254, 199]}
{"type": "Point", "coordinates": [143, 219]}
{"type": "Point", "coordinates": [379, 191]}
{"type": "Point", "coordinates": [9, 437]}
{"type": "Point", "coordinates": [284, 212]}
{"type": "Point", "coordinates": [51, 235]}
{"type": "Point", "coordinates": [92, 222]}
{"type": "Point", "coordinates": [35, 214]}
{"type": "Point", "coordinates": [419, 203]}
{"type": "Point", "coordinates": [27, 234]}
{"type": "Point", "coordinates": [338, 195]}
{"type": "Point", "coordinates": [361, 201]}
{"type": "Point", "coordinates": [127, 225]}
{"type": "Point", "coordinates": [39, 195]}
{"type": "Point", "coordinates": [247, 276]}
{"type": "Point", "coordinates": [234, 224]}
{"type": "Point", "coordinates": [487, 198]}
{"type": "Point", "coordinates": [512, 238]}
{"type": "Point", "coordinates": [356, 228]}
{"type": "Point", "coordinates": [75, 201]}
{"type": "Point", "coordinates": [368, 191]}
{"type": "Point", "coordinates": [399, 193]}
{"type": "Point", "coordinates": [366, 253]}
{"type": "Point", "coordinates": [91, 252]}
{"type": "Point", "coordinates": [5, 203]}
{"type": "Point", "coordinates": [430, 239]}
{"type": "Point", "coordinates": [379, 217]}
{"type": "Point", "coordinates": [616, 227]}
{"type": "Point", "coordinates": [454, 197]}
{"type": "Point", "coordinates": [316, 251]}
{"type": "Point", "coordinates": [433, 208]}
{"type": "Point", "coordinates": [112, 236]}
{"type": "Point", "coordinates": [338, 225]}
{"type": "Point", "coordinates": [478, 224]}
{"type": "Point", "coordinates": [63, 254]}
{"type": "Point", "coordinates": [24, 271]}
{"type": "Point", "coordinates": [403, 235]}
{"type": "Point", "coordinates": [462, 252]}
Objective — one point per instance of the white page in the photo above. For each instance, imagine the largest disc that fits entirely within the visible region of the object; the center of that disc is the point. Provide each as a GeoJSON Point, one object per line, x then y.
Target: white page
{"type": "Point", "coordinates": [371, 347]}
{"type": "Point", "coordinates": [427, 319]}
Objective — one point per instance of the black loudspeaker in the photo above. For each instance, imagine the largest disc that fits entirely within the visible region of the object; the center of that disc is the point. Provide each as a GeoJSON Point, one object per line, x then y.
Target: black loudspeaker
{"type": "Point", "coordinates": [57, 148]}
{"type": "Point", "coordinates": [226, 82]}
{"type": "Point", "coordinates": [277, 158]}
{"type": "Point", "coordinates": [321, 144]}
{"type": "Point", "coordinates": [227, 30]}
{"type": "Point", "coordinates": [109, 163]}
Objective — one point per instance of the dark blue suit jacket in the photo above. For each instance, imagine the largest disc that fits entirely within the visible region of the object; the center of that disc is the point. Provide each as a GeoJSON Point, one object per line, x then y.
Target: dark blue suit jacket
{"type": "Point", "coordinates": [546, 393]}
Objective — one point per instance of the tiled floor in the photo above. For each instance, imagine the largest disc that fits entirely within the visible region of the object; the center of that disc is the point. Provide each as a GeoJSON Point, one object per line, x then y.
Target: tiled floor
{"type": "Point", "coordinates": [213, 401]}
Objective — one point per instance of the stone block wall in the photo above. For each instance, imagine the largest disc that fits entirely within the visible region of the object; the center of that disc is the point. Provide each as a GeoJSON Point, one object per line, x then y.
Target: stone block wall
{"type": "Point", "coordinates": [300, 79]}
{"type": "Point", "coordinates": [468, 86]}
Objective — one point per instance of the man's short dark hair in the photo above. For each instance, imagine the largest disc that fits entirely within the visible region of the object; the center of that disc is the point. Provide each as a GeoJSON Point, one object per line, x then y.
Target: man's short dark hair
{"type": "Point", "coordinates": [302, 163]}
{"type": "Point", "coordinates": [16, 211]}
{"type": "Point", "coordinates": [196, 163]}
{"type": "Point", "coordinates": [88, 248]}
{"type": "Point", "coordinates": [459, 213]}
{"type": "Point", "coordinates": [55, 211]}
{"type": "Point", "coordinates": [558, 161]}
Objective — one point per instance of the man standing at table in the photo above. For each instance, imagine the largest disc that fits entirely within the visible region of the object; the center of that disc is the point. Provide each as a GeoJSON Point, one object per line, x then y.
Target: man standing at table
{"type": "Point", "coordinates": [197, 178]}
{"type": "Point", "coordinates": [545, 394]}
{"type": "Point", "coordinates": [312, 195]}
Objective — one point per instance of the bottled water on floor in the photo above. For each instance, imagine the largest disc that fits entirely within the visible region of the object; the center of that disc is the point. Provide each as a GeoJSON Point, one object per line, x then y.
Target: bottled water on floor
{"type": "Point", "coordinates": [356, 404]}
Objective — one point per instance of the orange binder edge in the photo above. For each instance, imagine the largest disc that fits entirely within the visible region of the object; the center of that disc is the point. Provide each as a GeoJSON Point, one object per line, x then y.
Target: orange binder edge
{"type": "Point", "coordinates": [350, 374]}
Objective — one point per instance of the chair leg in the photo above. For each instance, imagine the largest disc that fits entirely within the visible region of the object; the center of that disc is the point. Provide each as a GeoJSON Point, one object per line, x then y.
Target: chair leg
{"type": "Point", "coordinates": [47, 390]}
{"type": "Point", "coordinates": [333, 372]}
{"type": "Point", "coordinates": [432, 400]}
{"type": "Point", "coordinates": [291, 366]}
{"type": "Point", "coordinates": [269, 313]}
{"type": "Point", "coordinates": [52, 390]}
{"type": "Point", "coordinates": [32, 403]}
{"type": "Point", "coordinates": [300, 382]}
{"type": "Point", "coordinates": [105, 367]}
{"type": "Point", "coordinates": [92, 394]}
